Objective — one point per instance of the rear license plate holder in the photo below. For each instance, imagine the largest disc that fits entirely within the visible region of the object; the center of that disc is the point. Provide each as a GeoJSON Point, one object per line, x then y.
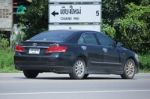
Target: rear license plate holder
{"type": "Point", "coordinates": [34, 51]}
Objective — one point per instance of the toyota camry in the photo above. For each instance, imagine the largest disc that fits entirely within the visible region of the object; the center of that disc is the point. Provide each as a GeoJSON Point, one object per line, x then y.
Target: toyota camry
{"type": "Point", "coordinates": [77, 53]}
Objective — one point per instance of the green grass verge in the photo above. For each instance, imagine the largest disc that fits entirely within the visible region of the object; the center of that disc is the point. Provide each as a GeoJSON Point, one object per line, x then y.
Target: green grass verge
{"type": "Point", "coordinates": [145, 62]}
{"type": "Point", "coordinates": [7, 64]}
{"type": "Point", "coordinates": [6, 61]}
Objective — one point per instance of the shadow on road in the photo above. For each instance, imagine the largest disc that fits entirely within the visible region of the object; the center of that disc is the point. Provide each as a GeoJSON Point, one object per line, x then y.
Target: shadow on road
{"type": "Point", "coordinates": [68, 78]}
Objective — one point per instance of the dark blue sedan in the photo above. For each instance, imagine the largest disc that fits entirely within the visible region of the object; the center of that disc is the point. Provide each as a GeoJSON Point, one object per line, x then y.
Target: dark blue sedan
{"type": "Point", "coordinates": [77, 53]}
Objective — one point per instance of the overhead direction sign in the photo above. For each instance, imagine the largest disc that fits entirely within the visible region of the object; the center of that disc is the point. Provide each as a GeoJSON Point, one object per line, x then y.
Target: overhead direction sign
{"type": "Point", "coordinates": [75, 14]}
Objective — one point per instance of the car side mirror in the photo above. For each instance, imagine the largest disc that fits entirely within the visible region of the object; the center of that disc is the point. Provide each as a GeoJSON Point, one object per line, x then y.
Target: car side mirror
{"type": "Point", "coordinates": [119, 44]}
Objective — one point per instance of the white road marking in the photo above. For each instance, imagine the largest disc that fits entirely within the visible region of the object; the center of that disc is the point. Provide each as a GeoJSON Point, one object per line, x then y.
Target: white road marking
{"type": "Point", "coordinates": [74, 92]}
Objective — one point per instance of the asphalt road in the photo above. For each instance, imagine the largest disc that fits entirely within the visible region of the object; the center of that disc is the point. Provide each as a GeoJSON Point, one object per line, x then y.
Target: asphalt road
{"type": "Point", "coordinates": [54, 86]}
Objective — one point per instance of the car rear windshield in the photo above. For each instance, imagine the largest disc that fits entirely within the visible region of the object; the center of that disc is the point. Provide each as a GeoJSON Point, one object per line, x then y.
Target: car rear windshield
{"type": "Point", "coordinates": [53, 36]}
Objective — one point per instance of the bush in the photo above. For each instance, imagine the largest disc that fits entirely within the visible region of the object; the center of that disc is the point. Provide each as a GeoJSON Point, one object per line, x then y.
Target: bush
{"type": "Point", "coordinates": [6, 56]}
{"type": "Point", "coordinates": [109, 30]}
{"type": "Point", "coordinates": [133, 30]}
{"type": "Point", "coordinates": [4, 43]}
{"type": "Point", "coordinates": [145, 62]}
{"type": "Point", "coordinates": [6, 60]}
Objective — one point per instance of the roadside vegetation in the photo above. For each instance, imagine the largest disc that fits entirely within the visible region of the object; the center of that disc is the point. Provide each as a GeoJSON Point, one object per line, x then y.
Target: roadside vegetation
{"type": "Point", "coordinates": [6, 55]}
{"type": "Point", "coordinates": [126, 21]}
{"type": "Point", "coordinates": [145, 63]}
{"type": "Point", "coordinates": [6, 61]}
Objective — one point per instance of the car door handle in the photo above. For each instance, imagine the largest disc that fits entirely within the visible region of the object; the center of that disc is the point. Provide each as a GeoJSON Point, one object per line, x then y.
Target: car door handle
{"type": "Point", "coordinates": [105, 50]}
{"type": "Point", "coordinates": [84, 47]}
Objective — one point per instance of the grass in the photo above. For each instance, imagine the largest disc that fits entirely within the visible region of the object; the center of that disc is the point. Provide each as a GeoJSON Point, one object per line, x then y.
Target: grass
{"type": "Point", "coordinates": [7, 64]}
{"type": "Point", "coordinates": [6, 61]}
{"type": "Point", "coordinates": [145, 62]}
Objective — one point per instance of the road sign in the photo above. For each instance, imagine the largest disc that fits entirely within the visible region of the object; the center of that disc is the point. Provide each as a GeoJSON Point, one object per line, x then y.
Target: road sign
{"type": "Point", "coordinates": [75, 14]}
{"type": "Point", "coordinates": [21, 9]}
{"type": "Point", "coordinates": [6, 19]}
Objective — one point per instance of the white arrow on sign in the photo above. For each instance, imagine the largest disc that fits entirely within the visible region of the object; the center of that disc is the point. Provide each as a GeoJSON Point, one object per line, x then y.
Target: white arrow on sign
{"type": "Point", "coordinates": [74, 13]}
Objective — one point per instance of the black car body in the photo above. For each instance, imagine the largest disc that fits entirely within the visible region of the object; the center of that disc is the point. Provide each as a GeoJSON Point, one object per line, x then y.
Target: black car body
{"type": "Point", "coordinates": [59, 50]}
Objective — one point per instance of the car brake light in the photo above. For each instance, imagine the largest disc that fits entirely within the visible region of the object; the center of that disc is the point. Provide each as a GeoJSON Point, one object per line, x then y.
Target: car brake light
{"type": "Point", "coordinates": [56, 48]}
{"type": "Point", "coordinates": [19, 48]}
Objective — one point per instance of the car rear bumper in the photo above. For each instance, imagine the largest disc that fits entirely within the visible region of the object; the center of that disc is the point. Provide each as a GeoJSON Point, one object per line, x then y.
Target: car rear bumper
{"type": "Point", "coordinates": [44, 63]}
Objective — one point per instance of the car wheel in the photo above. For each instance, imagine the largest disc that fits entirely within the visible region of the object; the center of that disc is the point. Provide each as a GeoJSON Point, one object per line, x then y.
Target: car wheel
{"type": "Point", "coordinates": [30, 74]}
{"type": "Point", "coordinates": [78, 70]}
{"type": "Point", "coordinates": [129, 69]}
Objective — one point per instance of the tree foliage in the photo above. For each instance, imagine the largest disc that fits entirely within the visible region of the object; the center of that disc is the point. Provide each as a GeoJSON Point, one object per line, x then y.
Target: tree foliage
{"type": "Point", "coordinates": [133, 30]}
{"type": "Point", "coordinates": [109, 30]}
{"type": "Point", "coordinates": [133, 27]}
{"type": "Point", "coordinates": [112, 9]}
{"type": "Point", "coordinates": [36, 17]}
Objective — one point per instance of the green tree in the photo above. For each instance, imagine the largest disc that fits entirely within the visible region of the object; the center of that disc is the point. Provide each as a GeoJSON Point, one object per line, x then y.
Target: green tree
{"type": "Point", "coordinates": [111, 10]}
{"type": "Point", "coordinates": [109, 30]}
{"type": "Point", "coordinates": [138, 2]}
{"type": "Point", "coordinates": [36, 17]}
{"type": "Point", "coordinates": [145, 2]}
{"type": "Point", "coordinates": [134, 29]}
{"type": "Point", "coordinates": [114, 9]}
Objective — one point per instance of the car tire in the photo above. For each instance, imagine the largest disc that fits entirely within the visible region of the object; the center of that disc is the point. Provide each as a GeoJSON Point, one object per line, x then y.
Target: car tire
{"type": "Point", "coordinates": [30, 74]}
{"type": "Point", "coordinates": [78, 70]}
{"type": "Point", "coordinates": [129, 69]}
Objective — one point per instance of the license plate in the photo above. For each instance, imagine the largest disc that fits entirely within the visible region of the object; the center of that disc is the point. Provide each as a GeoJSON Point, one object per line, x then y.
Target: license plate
{"type": "Point", "coordinates": [34, 51]}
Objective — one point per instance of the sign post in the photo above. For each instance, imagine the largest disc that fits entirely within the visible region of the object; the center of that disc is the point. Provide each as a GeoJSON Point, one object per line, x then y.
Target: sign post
{"type": "Point", "coordinates": [6, 15]}
{"type": "Point", "coordinates": [75, 14]}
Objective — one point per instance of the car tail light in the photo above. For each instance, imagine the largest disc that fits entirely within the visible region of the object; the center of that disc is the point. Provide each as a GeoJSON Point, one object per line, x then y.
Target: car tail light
{"type": "Point", "coordinates": [56, 48]}
{"type": "Point", "coordinates": [19, 48]}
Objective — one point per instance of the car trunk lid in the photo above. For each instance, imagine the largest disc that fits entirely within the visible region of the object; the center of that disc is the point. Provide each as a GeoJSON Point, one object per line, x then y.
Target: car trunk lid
{"type": "Point", "coordinates": [36, 47]}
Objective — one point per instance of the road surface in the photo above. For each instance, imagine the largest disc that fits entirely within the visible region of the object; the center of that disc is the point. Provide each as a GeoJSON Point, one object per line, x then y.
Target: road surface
{"type": "Point", "coordinates": [55, 86]}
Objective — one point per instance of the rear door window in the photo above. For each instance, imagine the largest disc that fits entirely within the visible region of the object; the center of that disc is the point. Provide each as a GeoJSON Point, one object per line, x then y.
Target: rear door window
{"type": "Point", "coordinates": [105, 40]}
{"type": "Point", "coordinates": [88, 38]}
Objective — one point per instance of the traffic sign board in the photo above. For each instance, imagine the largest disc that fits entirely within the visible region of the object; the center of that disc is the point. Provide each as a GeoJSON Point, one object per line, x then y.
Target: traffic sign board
{"type": "Point", "coordinates": [6, 14]}
{"type": "Point", "coordinates": [74, 13]}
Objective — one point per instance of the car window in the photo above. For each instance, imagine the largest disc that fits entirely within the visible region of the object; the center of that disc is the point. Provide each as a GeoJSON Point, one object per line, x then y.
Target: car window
{"type": "Point", "coordinates": [81, 40]}
{"type": "Point", "coordinates": [58, 36]}
{"type": "Point", "coordinates": [88, 38]}
{"type": "Point", "coordinates": [105, 40]}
